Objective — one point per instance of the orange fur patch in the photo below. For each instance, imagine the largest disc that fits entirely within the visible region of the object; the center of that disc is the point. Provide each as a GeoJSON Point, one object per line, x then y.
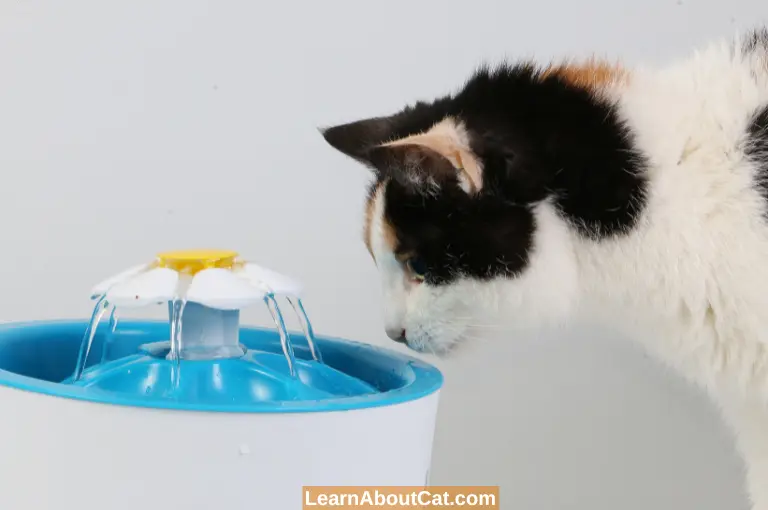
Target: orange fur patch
{"type": "Point", "coordinates": [368, 220]}
{"type": "Point", "coordinates": [388, 230]}
{"type": "Point", "coordinates": [592, 75]}
{"type": "Point", "coordinates": [390, 238]}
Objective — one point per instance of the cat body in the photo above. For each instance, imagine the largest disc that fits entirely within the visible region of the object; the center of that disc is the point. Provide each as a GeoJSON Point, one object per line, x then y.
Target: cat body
{"type": "Point", "coordinates": [636, 197]}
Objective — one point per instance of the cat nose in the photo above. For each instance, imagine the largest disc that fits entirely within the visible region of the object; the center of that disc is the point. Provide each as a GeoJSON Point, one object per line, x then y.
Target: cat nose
{"type": "Point", "coordinates": [396, 334]}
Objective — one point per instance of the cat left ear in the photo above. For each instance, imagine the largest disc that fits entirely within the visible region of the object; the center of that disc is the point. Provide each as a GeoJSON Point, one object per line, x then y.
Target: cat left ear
{"type": "Point", "coordinates": [441, 150]}
{"type": "Point", "coordinates": [356, 139]}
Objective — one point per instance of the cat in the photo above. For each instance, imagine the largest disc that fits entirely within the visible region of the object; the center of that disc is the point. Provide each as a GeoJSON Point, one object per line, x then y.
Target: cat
{"type": "Point", "coordinates": [635, 196]}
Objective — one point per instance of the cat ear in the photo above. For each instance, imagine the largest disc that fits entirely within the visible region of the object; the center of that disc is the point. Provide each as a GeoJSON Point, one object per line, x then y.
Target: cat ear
{"type": "Point", "coordinates": [427, 157]}
{"type": "Point", "coordinates": [356, 139]}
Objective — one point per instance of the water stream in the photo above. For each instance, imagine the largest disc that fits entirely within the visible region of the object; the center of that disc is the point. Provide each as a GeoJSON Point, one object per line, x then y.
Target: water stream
{"type": "Point", "coordinates": [306, 326]}
{"type": "Point", "coordinates": [85, 347]}
{"type": "Point", "coordinates": [177, 312]}
{"type": "Point", "coordinates": [285, 339]}
{"type": "Point", "coordinates": [113, 320]}
{"type": "Point", "coordinates": [176, 308]}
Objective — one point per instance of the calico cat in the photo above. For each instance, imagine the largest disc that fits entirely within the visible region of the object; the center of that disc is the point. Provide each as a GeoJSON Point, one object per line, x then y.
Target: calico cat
{"type": "Point", "coordinates": [639, 197]}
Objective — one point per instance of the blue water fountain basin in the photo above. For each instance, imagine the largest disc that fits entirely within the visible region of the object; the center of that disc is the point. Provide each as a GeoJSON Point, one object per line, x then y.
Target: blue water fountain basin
{"type": "Point", "coordinates": [135, 370]}
{"type": "Point", "coordinates": [203, 412]}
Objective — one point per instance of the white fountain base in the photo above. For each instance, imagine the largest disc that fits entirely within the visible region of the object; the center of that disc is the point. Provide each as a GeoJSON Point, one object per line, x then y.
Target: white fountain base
{"type": "Point", "coordinates": [62, 454]}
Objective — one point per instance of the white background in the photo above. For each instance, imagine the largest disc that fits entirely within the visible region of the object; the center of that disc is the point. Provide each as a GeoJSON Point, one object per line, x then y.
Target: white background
{"type": "Point", "coordinates": [127, 128]}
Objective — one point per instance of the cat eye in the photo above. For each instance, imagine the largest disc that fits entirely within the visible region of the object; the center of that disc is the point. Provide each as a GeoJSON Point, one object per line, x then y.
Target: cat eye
{"type": "Point", "coordinates": [417, 268]}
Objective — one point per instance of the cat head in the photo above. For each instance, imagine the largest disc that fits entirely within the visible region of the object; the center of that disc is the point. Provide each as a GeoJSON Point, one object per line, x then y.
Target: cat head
{"type": "Point", "coordinates": [471, 209]}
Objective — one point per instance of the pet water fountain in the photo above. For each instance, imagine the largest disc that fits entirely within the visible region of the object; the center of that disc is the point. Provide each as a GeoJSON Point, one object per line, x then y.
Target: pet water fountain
{"type": "Point", "coordinates": [198, 412]}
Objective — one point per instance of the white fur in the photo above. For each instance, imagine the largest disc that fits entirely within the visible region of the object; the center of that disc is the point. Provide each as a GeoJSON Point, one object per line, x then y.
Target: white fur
{"type": "Point", "coordinates": [690, 281]}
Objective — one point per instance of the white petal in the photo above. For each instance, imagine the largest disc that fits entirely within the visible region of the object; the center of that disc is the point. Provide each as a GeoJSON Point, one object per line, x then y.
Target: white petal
{"type": "Point", "coordinates": [155, 286]}
{"type": "Point", "coordinates": [223, 290]}
{"type": "Point", "coordinates": [101, 289]}
{"type": "Point", "coordinates": [270, 281]}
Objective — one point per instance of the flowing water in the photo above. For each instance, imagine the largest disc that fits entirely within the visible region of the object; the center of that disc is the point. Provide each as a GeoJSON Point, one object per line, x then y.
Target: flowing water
{"type": "Point", "coordinates": [113, 320]}
{"type": "Point", "coordinates": [85, 347]}
{"type": "Point", "coordinates": [285, 339]}
{"type": "Point", "coordinates": [298, 307]}
{"type": "Point", "coordinates": [177, 311]}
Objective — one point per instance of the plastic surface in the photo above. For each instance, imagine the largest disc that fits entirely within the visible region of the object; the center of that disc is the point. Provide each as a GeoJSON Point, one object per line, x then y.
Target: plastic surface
{"type": "Point", "coordinates": [222, 289]}
{"type": "Point", "coordinates": [270, 281]}
{"type": "Point", "coordinates": [194, 261]}
{"type": "Point", "coordinates": [66, 454]}
{"type": "Point", "coordinates": [153, 286]}
{"type": "Point", "coordinates": [210, 333]}
{"type": "Point", "coordinates": [38, 356]}
{"type": "Point", "coordinates": [210, 277]}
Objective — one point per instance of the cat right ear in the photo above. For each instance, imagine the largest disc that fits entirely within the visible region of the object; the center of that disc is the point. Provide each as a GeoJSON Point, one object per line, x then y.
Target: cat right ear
{"type": "Point", "coordinates": [356, 139]}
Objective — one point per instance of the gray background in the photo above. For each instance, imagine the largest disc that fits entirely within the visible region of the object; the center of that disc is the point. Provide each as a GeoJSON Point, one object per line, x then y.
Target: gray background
{"type": "Point", "coordinates": [127, 128]}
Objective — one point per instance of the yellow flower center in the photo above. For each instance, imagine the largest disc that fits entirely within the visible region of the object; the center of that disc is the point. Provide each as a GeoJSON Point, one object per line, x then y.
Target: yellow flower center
{"type": "Point", "coordinates": [194, 261]}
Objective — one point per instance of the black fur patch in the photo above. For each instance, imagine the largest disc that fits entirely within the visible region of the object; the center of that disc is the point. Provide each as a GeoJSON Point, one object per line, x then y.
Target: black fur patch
{"type": "Point", "coordinates": [455, 234]}
{"type": "Point", "coordinates": [539, 138]}
{"type": "Point", "coordinates": [756, 148]}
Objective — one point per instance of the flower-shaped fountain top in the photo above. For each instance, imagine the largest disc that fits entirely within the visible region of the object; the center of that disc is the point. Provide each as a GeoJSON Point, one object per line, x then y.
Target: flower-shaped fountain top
{"type": "Point", "coordinates": [205, 290]}
{"type": "Point", "coordinates": [213, 278]}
